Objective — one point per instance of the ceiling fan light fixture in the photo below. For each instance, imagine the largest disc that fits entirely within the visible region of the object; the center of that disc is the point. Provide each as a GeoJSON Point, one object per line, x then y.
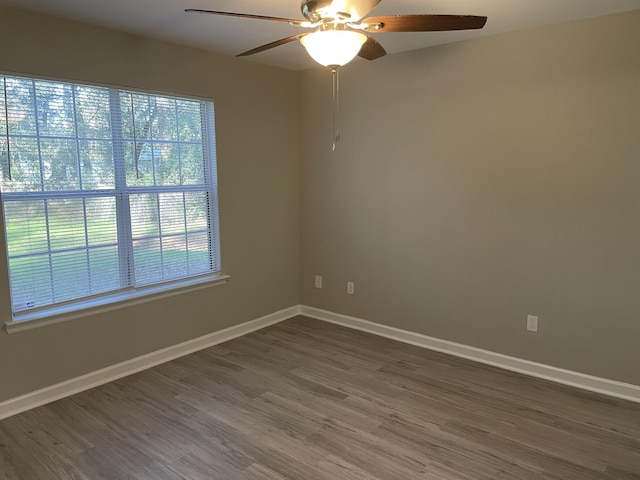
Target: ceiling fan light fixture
{"type": "Point", "coordinates": [333, 47]}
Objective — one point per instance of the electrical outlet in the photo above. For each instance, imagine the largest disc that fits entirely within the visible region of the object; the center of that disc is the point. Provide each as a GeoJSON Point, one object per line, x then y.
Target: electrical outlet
{"type": "Point", "coordinates": [350, 288]}
{"type": "Point", "coordinates": [532, 323]}
{"type": "Point", "coordinates": [318, 281]}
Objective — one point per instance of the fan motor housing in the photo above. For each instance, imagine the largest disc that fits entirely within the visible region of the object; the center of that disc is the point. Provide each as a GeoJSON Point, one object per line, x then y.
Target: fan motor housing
{"type": "Point", "coordinates": [311, 8]}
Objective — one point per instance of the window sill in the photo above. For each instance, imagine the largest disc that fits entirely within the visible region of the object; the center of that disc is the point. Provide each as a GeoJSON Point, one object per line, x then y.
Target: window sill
{"type": "Point", "coordinates": [53, 315]}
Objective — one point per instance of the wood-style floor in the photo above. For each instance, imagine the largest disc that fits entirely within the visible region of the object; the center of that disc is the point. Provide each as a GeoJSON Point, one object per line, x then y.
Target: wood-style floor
{"type": "Point", "coordinates": [310, 400]}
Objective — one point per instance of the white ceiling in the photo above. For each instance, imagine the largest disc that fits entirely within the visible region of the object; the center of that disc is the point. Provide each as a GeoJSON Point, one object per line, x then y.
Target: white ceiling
{"type": "Point", "coordinates": [166, 19]}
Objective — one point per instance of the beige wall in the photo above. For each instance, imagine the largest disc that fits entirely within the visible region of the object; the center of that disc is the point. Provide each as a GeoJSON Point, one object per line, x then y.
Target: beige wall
{"type": "Point", "coordinates": [476, 183]}
{"type": "Point", "coordinates": [483, 181]}
{"type": "Point", "coordinates": [256, 118]}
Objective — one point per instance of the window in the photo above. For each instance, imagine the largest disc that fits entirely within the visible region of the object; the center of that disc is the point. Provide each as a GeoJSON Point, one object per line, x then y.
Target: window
{"type": "Point", "coordinates": [104, 190]}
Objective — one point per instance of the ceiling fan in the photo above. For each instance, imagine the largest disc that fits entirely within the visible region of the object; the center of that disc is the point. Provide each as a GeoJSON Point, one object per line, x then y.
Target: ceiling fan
{"type": "Point", "coordinates": [340, 32]}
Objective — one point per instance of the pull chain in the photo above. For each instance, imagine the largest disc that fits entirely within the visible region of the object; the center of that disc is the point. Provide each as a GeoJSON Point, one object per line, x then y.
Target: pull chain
{"type": "Point", "coordinates": [336, 91]}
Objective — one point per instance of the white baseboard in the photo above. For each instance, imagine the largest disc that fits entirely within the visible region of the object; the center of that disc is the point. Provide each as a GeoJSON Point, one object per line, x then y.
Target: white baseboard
{"type": "Point", "coordinates": [99, 377]}
{"type": "Point", "coordinates": [605, 386]}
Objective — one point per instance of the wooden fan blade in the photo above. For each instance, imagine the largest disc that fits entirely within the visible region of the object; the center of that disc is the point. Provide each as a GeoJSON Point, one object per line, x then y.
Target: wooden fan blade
{"type": "Point", "coordinates": [371, 49]}
{"type": "Point", "coordinates": [246, 15]}
{"type": "Point", "coordinates": [423, 23]}
{"type": "Point", "coordinates": [277, 43]}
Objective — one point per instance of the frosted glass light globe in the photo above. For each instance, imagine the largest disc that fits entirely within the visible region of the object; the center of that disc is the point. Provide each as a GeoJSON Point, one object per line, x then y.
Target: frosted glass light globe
{"type": "Point", "coordinates": [333, 47]}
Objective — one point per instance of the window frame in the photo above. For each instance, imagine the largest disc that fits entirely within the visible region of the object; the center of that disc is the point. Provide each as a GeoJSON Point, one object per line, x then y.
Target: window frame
{"type": "Point", "coordinates": [130, 294]}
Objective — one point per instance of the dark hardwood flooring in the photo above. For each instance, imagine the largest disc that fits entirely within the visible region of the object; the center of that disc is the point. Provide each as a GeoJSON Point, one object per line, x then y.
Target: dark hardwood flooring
{"type": "Point", "coordinates": [310, 400]}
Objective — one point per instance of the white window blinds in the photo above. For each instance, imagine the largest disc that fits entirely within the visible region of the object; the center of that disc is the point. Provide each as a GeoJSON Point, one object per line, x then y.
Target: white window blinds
{"type": "Point", "coordinates": [104, 190]}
